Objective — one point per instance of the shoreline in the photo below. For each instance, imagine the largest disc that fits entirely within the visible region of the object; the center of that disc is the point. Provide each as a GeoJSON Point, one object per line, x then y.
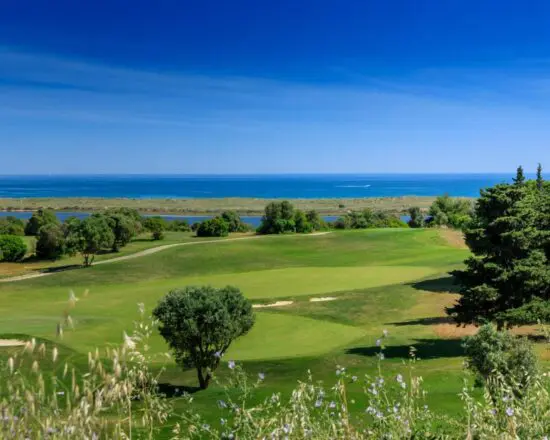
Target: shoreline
{"type": "Point", "coordinates": [213, 206]}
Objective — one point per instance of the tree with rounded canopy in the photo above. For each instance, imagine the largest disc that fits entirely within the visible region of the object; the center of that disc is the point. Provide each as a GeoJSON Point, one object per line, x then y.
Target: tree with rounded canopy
{"type": "Point", "coordinates": [156, 225]}
{"type": "Point", "coordinates": [40, 218]}
{"type": "Point", "coordinates": [214, 227]}
{"type": "Point", "coordinates": [123, 227]}
{"type": "Point", "coordinates": [90, 236]}
{"type": "Point", "coordinates": [234, 222]}
{"type": "Point", "coordinates": [278, 218]}
{"type": "Point", "coordinates": [199, 323]}
{"type": "Point", "coordinates": [51, 242]}
{"type": "Point", "coordinates": [12, 248]}
{"type": "Point", "coordinates": [11, 225]}
{"type": "Point", "coordinates": [448, 211]}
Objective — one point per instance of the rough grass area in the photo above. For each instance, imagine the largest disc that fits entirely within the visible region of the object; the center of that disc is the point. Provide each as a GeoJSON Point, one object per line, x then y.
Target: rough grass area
{"type": "Point", "coordinates": [243, 206]}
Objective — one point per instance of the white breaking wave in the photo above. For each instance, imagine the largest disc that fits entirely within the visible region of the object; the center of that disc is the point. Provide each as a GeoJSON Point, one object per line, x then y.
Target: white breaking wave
{"type": "Point", "coordinates": [352, 186]}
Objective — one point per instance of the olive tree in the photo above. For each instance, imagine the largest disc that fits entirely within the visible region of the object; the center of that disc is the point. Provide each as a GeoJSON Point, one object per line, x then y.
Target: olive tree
{"type": "Point", "coordinates": [51, 242]}
{"type": "Point", "coordinates": [40, 218]}
{"type": "Point", "coordinates": [90, 236]}
{"type": "Point", "coordinates": [199, 323]}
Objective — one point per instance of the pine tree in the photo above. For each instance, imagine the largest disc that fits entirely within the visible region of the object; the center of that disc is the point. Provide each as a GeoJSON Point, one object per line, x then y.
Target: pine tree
{"type": "Point", "coordinates": [520, 177]}
{"type": "Point", "coordinates": [510, 266]}
{"type": "Point", "coordinates": [540, 180]}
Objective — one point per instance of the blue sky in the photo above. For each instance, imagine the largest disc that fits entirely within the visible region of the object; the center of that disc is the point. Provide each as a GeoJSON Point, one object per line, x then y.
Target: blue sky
{"type": "Point", "coordinates": [309, 86]}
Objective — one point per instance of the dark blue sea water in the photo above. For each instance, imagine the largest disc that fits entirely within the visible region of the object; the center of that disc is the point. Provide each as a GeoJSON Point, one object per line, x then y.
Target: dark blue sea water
{"type": "Point", "coordinates": [303, 186]}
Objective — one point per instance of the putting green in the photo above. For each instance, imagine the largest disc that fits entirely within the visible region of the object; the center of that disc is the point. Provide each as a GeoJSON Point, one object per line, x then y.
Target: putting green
{"type": "Point", "coordinates": [276, 336]}
{"type": "Point", "coordinates": [299, 281]}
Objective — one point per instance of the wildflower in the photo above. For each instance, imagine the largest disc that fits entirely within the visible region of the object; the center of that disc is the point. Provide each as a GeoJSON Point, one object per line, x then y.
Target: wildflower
{"type": "Point", "coordinates": [218, 354]}
{"type": "Point", "coordinates": [206, 427]}
{"type": "Point", "coordinates": [60, 393]}
{"type": "Point", "coordinates": [223, 422]}
{"type": "Point", "coordinates": [381, 356]}
{"type": "Point", "coordinates": [222, 404]}
{"type": "Point", "coordinates": [378, 342]}
{"type": "Point", "coordinates": [286, 428]}
{"type": "Point", "coordinates": [385, 333]}
{"type": "Point", "coordinates": [332, 405]}
{"type": "Point", "coordinates": [379, 415]}
{"type": "Point", "coordinates": [403, 385]}
{"type": "Point", "coordinates": [380, 381]}
{"type": "Point", "coordinates": [509, 412]}
{"type": "Point", "coordinates": [370, 410]}
{"type": "Point", "coordinates": [231, 365]}
{"type": "Point", "coordinates": [261, 376]}
{"type": "Point", "coordinates": [354, 378]}
{"type": "Point", "coordinates": [399, 378]}
{"type": "Point", "coordinates": [493, 411]}
{"type": "Point", "coordinates": [318, 403]}
{"type": "Point", "coordinates": [141, 308]}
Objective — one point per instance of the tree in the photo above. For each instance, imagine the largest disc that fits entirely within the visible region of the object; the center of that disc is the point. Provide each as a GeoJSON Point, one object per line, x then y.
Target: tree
{"type": "Point", "coordinates": [520, 176]}
{"type": "Point", "coordinates": [90, 236]}
{"type": "Point", "coordinates": [417, 218]}
{"type": "Point", "coordinates": [540, 179]}
{"type": "Point", "coordinates": [200, 323]}
{"type": "Point", "coordinates": [156, 225]}
{"type": "Point", "coordinates": [214, 227]}
{"type": "Point", "coordinates": [234, 222]}
{"type": "Point", "coordinates": [315, 220]}
{"type": "Point", "coordinates": [178, 226]}
{"type": "Point", "coordinates": [40, 218]}
{"type": "Point", "coordinates": [278, 218]}
{"type": "Point", "coordinates": [124, 229]}
{"type": "Point", "coordinates": [12, 248]}
{"type": "Point", "coordinates": [447, 211]}
{"type": "Point", "coordinates": [510, 266]}
{"type": "Point", "coordinates": [11, 225]}
{"type": "Point", "coordinates": [301, 224]}
{"type": "Point", "coordinates": [495, 356]}
{"type": "Point", "coordinates": [51, 242]}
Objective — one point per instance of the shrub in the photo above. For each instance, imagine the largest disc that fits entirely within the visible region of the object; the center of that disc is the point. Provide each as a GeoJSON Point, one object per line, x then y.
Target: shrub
{"type": "Point", "coordinates": [12, 248]}
{"type": "Point", "coordinates": [301, 224]}
{"type": "Point", "coordinates": [123, 227]}
{"type": "Point", "coordinates": [278, 218]}
{"type": "Point", "coordinates": [11, 225]}
{"type": "Point", "coordinates": [40, 218]}
{"type": "Point", "coordinates": [447, 211]}
{"type": "Point", "coordinates": [214, 227]}
{"type": "Point", "coordinates": [178, 226]}
{"type": "Point", "coordinates": [234, 222]}
{"type": "Point", "coordinates": [156, 225]}
{"type": "Point", "coordinates": [417, 218]}
{"type": "Point", "coordinates": [200, 323]}
{"type": "Point", "coordinates": [51, 242]}
{"type": "Point", "coordinates": [497, 355]}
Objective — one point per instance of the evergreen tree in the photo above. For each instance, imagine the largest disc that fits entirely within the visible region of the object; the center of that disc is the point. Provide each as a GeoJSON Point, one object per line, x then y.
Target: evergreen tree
{"type": "Point", "coordinates": [540, 180]}
{"type": "Point", "coordinates": [509, 267]}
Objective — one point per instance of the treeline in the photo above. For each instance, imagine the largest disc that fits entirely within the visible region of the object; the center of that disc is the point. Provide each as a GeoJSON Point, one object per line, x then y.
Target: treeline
{"type": "Point", "coordinates": [444, 211]}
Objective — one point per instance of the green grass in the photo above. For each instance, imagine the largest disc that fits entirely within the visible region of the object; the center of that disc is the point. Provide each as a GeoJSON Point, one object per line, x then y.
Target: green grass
{"type": "Point", "coordinates": [382, 279]}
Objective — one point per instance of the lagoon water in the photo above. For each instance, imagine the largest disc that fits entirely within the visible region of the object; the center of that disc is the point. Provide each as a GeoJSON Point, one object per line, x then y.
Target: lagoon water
{"type": "Point", "coordinates": [281, 186]}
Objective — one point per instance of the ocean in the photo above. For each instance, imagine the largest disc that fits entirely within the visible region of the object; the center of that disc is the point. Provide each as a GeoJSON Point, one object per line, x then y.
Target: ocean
{"type": "Point", "coordinates": [282, 186]}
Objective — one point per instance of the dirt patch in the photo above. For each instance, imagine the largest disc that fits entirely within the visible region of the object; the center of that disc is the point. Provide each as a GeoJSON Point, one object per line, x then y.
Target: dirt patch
{"type": "Point", "coordinates": [275, 304]}
{"type": "Point", "coordinates": [322, 299]}
{"type": "Point", "coordinates": [453, 237]}
{"type": "Point", "coordinates": [451, 331]}
{"type": "Point", "coordinates": [11, 343]}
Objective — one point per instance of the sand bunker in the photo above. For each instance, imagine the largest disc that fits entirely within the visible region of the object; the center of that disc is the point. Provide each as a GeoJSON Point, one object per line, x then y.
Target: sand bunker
{"type": "Point", "coordinates": [11, 343]}
{"type": "Point", "coordinates": [324, 298]}
{"type": "Point", "coordinates": [275, 304]}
